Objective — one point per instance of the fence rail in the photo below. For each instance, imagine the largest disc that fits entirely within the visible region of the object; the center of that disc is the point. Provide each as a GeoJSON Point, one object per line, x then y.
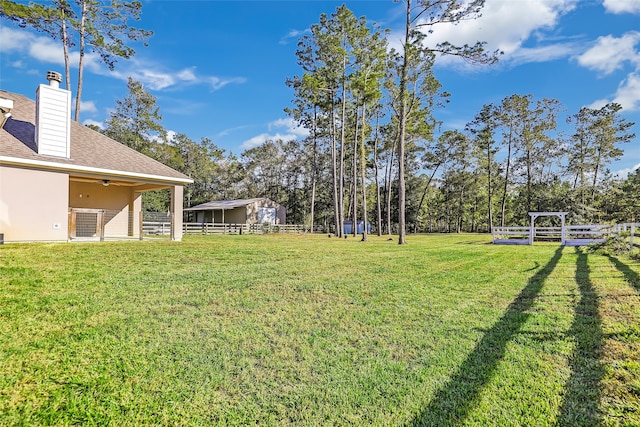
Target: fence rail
{"type": "Point", "coordinates": [570, 235]}
{"type": "Point", "coordinates": [511, 235]}
{"type": "Point", "coordinates": [163, 228]}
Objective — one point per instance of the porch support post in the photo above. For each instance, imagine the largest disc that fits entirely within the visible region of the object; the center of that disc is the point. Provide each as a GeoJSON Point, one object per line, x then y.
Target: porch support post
{"type": "Point", "coordinates": [177, 194]}
{"type": "Point", "coordinates": [135, 215]}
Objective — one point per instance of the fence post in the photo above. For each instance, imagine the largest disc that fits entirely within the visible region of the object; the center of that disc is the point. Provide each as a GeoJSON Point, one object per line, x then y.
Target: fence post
{"type": "Point", "coordinates": [633, 226]}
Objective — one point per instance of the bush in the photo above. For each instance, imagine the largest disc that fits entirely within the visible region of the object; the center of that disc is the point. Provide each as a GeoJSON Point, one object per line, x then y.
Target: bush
{"type": "Point", "coordinates": [614, 245]}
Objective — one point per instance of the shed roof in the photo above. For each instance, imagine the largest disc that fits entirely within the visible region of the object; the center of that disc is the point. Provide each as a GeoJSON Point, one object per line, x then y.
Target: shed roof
{"type": "Point", "coordinates": [225, 204]}
{"type": "Point", "coordinates": [91, 151]}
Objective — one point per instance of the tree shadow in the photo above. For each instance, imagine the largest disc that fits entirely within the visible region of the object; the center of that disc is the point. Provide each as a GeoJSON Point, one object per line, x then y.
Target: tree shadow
{"type": "Point", "coordinates": [452, 403]}
{"type": "Point", "coordinates": [630, 275]}
{"type": "Point", "coordinates": [580, 406]}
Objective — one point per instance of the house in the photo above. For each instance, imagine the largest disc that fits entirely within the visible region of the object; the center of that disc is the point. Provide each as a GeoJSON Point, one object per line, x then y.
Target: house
{"type": "Point", "coordinates": [242, 211]}
{"type": "Point", "coordinates": [61, 181]}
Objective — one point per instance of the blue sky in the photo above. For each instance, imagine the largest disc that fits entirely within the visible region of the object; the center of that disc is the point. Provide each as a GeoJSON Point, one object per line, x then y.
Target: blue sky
{"type": "Point", "coordinates": [218, 68]}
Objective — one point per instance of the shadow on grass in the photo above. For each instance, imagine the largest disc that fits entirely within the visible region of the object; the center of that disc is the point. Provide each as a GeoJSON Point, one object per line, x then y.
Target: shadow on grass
{"type": "Point", "coordinates": [583, 390]}
{"type": "Point", "coordinates": [452, 403]}
{"type": "Point", "coordinates": [632, 277]}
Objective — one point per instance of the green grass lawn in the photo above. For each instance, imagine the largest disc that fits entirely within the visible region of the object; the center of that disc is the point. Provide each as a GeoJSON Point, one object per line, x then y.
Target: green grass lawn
{"type": "Point", "coordinates": [306, 330]}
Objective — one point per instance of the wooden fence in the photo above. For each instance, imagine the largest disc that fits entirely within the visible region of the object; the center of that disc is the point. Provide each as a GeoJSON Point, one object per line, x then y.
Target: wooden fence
{"type": "Point", "coordinates": [570, 235]}
{"type": "Point", "coordinates": [163, 228]}
{"type": "Point", "coordinates": [511, 235]}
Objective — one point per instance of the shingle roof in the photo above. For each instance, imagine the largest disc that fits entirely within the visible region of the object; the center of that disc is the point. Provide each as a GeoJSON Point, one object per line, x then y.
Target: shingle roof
{"type": "Point", "coordinates": [224, 204]}
{"type": "Point", "coordinates": [89, 149]}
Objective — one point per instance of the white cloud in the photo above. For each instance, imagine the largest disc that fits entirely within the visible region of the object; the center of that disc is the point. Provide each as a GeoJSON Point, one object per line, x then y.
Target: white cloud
{"type": "Point", "coordinates": [187, 75]}
{"type": "Point", "coordinates": [219, 83]}
{"type": "Point", "coordinates": [624, 173]}
{"type": "Point", "coordinates": [154, 79]}
{"type": "Point", "coordinates": [170, 136]}
{"type": "Point", "coordinates": [544, 53]}
{"type": "Point", "coordinates": [290, 125]}
{"type": "Point", "coordinates": [293, 34]}
{"type": "Point", "coordinates": [264, 137]}
{"type": "Point", "coordinates": [93, 123]}
{"type": "Point", "coordinates": [153, 75]}
{"type": "Point", "coordinates": [506, 25]}
{"type": "Point", "coordinates": [13, 39]}
{"type": "Point", "coordinates": [42, 49]}
{"type": "Point", "coordinates": [87, 106]}
{"type": "Point", "coordinates": [598, 104]}
{"type": "Point", "coordinates": [228, 131]}
{"type": "Point", "coordinates": [611, 53]}
{"type": "Point", "coordinates": [622, 6]}
{"type": "Point", "coordinates": [628, 93]}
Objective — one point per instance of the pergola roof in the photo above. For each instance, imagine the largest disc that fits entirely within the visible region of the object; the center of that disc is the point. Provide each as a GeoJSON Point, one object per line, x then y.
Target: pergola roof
{"type": "Point", "coordinates": [535, 215]}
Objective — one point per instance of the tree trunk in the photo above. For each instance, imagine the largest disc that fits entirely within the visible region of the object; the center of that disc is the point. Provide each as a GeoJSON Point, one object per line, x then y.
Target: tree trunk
{"type": "Point", "coordinates": [489, 209]}
{"type": "Point", "coordinates": [363, 167]}
{"type": "Point", "coordinates": [529, 179]}
{"type": "Point", "coordinates": [595, 175]}
{"type": "Point", "coordinates": [388, 183]}
{"type": "Point", "coordinates": [65, 49]}
{"type": "Point", "coordinates": [355, 176]}
{"type": "Point", "coordinates": [81, 60]}
{"type": "Point", "coordinates": [402, 120]}
{"type": "Point", "coordinates": [375, 166]}
{"type": "Point", "coordinates": [342, 144]}
{"type": "Point", "coordinates": [314, 166]}
{"type": "Point", "coordinates": [506, 181]}
{"type": "Point", "coordinates": [334, 171]}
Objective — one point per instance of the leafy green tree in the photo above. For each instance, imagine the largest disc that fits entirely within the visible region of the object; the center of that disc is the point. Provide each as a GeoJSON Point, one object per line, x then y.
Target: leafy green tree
{"type": "Point", "coordinates": [594, 144]}
{"type": "Point", "coordinates": [537, 148]}
{"type": "Point", "coordinates": [621, 202]}
{"type": "Point", "coordinates": [100, 27]}
{"type": "Point", "coordinates": [202, 162]}
{"type": "Point", "coordinates": [342, 58]}
{"type": "Point", "coordinates": [104, 29]}
{"type": "Point", "coordinates": [370, 65]}
{"type": "Point", "coordinates": [436, 157]}
{"type": "Point", "coordinates": [136, 119]}
{"type": "Point", "coordinates": [483, 128]}
{"type": "Point", "coordinates": [52, 19]}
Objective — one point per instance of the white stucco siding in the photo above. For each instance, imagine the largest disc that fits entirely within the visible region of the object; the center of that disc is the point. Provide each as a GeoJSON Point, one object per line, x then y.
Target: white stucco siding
{"type": "Point", "coordinates": [33, 205]}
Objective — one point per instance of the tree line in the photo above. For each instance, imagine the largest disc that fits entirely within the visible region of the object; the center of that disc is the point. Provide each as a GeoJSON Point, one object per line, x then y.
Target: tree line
{"type": "Point", "coordinates": [508, 160]}
{"type": "Point", "coordinates": [375, 150]}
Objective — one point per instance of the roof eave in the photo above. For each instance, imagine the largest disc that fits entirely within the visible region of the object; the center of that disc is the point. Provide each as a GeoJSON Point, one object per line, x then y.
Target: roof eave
{"type": "Point", "coordinates": [40, 164]}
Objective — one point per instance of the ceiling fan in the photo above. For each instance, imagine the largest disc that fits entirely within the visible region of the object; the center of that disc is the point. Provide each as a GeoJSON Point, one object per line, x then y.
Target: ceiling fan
{"type": "Point", "coordinates": [104, 182]}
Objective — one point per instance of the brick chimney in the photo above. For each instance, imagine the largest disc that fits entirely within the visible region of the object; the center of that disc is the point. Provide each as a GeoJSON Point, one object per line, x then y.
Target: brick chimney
{"type": "Point", "coordinates": [53, 118]}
